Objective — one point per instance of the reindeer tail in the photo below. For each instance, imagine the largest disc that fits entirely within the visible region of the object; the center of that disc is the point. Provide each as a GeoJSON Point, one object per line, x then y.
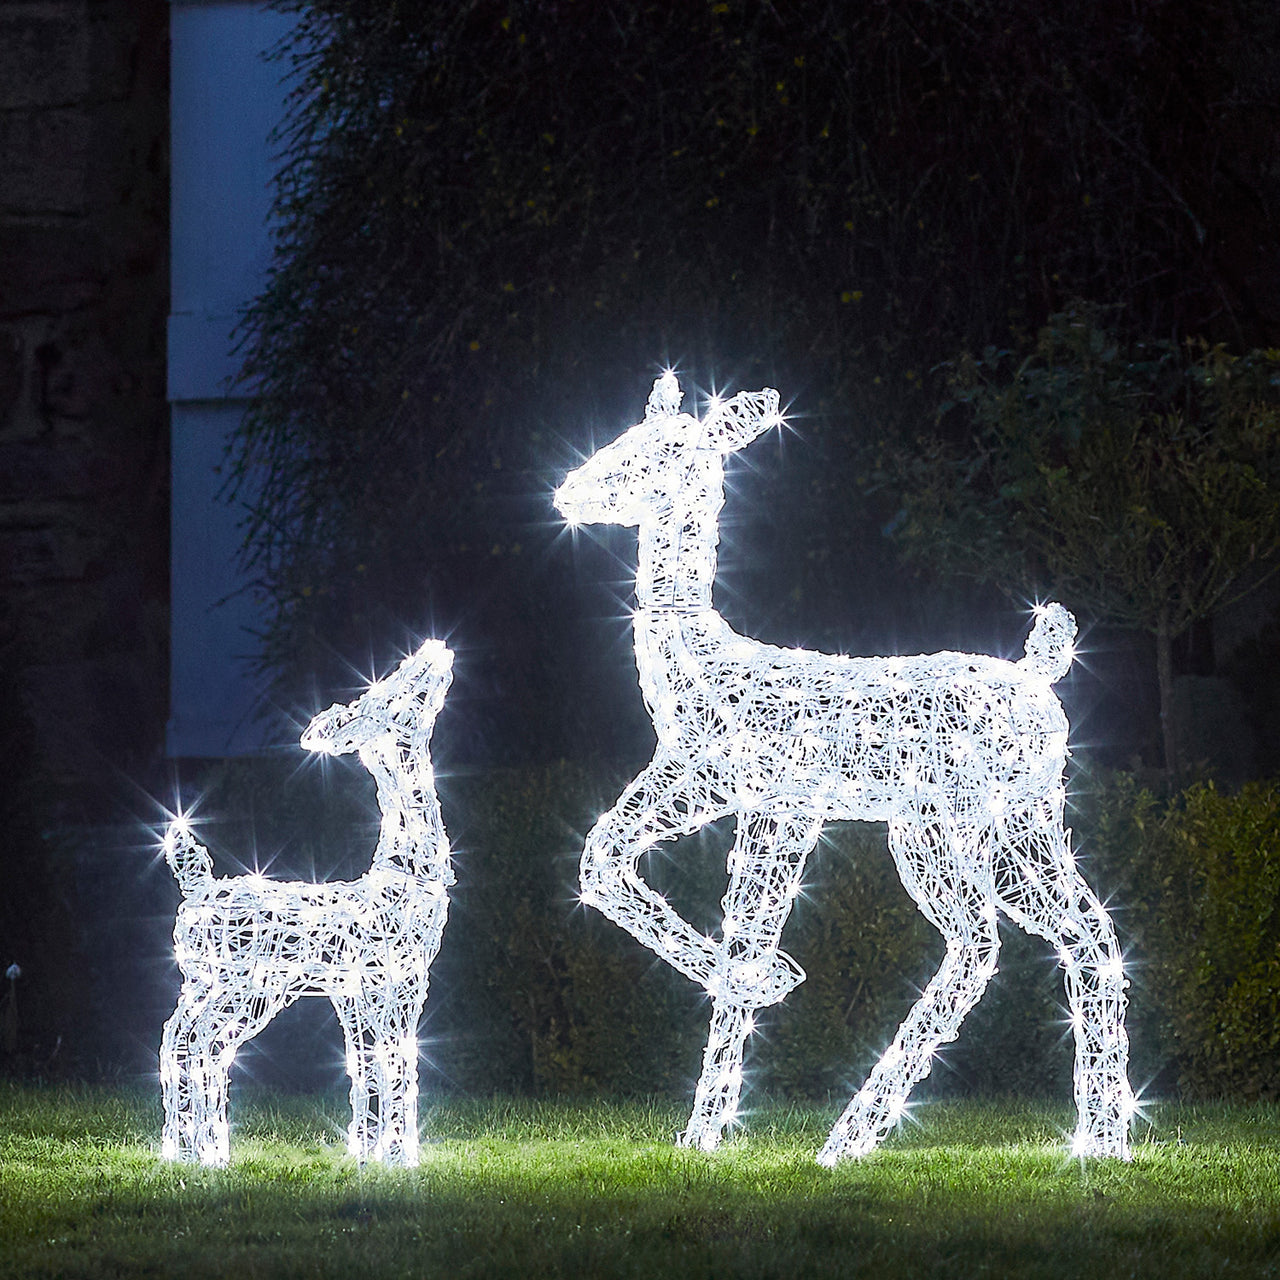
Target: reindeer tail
{"type": "Point", "coordinates": [1049, 646]}
{"type": "Point", "coordinates": [188, 859]}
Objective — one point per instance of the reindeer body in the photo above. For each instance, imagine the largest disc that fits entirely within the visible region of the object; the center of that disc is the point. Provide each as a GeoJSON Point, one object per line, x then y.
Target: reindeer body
{"type": "Point", "coordinates": [248, 947]}
{"type": "Point", "coordinates": [784, 722]}
{"type": "Point", "coordinates": [962, 755]}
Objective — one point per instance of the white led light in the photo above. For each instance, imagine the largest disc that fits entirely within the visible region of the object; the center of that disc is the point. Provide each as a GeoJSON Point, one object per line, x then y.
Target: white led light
{"type": "Point", "coordinates": [962, 755]}
{"type": "Point", "coordinates": [249, 946]}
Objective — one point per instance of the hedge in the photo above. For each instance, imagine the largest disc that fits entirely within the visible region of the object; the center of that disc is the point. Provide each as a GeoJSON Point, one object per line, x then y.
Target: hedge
{"type": "Point", "coordinates": [532, 992]}
{"type": "Point", "coordinates": [1199, 877]}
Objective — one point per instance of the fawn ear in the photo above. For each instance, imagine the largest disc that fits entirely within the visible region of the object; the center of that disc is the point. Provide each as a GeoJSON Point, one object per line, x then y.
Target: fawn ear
{"type": "Point", "coordinates": [736, 423]}
{"type": "Point", "coordinates": [664, 399]}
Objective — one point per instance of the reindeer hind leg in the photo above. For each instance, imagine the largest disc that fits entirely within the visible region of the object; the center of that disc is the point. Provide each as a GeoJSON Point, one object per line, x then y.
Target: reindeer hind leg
{"type": "Point", "coordinates": [1038, 884]}
{"type": "Point", "coordinates": [930, 859]}
{"type": "Point", "coordinates": [195, 1116]}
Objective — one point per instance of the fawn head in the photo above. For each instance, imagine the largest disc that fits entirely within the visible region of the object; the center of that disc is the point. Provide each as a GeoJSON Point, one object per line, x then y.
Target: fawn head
{"type": "Point", "coordinates": [400, 705]}
{"type": "Point", "coordinates": [641, 475]}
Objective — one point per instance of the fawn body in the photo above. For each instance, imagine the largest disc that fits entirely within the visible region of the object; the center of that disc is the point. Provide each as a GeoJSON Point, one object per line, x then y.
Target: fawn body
{"type": "Point", "coordinates": [248, 946]}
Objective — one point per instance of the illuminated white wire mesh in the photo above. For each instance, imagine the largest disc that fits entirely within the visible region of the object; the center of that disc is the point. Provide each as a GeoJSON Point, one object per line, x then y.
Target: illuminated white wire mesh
{"type": "Point", "coordinates": [248, 947]}
{"type": "Point", "coordinates": [962, 755]}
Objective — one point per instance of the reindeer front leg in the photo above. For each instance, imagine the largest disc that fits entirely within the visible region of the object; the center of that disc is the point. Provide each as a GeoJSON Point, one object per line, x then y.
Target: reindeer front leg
{"type": "Point", "coordinates": [765, 867]}
{"type": "Point", "coordinates": [666, 801]}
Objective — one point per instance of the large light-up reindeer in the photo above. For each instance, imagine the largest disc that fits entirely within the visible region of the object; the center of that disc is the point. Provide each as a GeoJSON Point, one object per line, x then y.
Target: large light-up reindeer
{"type": "Point", "coordinates": [961, 755]}
{"type": "Point", "coordinates": [248, 947]}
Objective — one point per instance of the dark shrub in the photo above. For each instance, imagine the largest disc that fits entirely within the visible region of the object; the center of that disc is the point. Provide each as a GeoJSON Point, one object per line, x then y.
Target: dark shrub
{"type": "Point", "coordinates": [1200, 879]}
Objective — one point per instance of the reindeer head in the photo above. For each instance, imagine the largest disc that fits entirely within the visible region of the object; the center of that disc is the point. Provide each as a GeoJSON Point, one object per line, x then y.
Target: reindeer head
{"type": "Point", "coordinates": [642, 474]}
{"type": "Point", "coordinates": [401, 705]}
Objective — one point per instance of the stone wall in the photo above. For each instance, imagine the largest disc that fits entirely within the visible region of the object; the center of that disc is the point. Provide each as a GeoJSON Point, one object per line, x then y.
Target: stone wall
{"type": "Point", "coordinates": [83, 426]}
{"type": "Point", "coordinates": [83, 493]}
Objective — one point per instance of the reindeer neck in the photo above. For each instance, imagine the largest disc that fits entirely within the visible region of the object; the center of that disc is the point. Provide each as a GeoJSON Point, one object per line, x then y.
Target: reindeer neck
{"type": "Point", "coordinates": [676, 565]}
{"type": "Point", "coordinates": [675, 623]}
{"type": "Point", "coordinates": [412, 837]}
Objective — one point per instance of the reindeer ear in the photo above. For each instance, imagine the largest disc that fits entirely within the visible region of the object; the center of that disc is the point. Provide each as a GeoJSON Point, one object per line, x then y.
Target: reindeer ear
{"type": "Point", "coordinates": [736, 423]}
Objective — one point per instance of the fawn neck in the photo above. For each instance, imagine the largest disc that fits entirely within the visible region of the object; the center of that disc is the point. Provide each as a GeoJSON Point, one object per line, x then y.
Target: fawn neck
{"type": "Point", "coordinates": [412, 837]}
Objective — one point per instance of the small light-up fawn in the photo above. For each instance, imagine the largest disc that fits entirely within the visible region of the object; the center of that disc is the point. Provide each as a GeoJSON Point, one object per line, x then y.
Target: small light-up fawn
{"type": "Point", "coordinates": [248, 946]}
{"type": "Point", "coordinates": [961, 755]}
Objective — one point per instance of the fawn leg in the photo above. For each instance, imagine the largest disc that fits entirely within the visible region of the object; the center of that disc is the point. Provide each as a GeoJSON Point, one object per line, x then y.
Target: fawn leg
{"type": "Point", "coordinates": [196, 1052]}
{"type": "Point", "coordinates": [381, 1034]}
{"type": "Point", "coordinates": [1039, 886]}
{"type": "Point", "coordinates": [379, 1016]}
{"type": "Point", "coordinates": [765, 866]}
{"type": "Point", "coordinates": [195, 1123]}
{"type": "Point", "coordinates": [661, 804]}
{"type": "Point", "coordinates": [931, 861]}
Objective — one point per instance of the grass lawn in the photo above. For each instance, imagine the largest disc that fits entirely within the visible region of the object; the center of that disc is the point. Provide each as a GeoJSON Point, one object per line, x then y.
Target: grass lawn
{"type": "Point", "coordinates": [529, 1189]}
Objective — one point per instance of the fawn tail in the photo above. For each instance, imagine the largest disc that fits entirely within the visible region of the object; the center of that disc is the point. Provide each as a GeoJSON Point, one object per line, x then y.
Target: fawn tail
{"type": "Point", "coordinates": [188, 859]}
{"type": "Point", "coordinates": [1049, 647]}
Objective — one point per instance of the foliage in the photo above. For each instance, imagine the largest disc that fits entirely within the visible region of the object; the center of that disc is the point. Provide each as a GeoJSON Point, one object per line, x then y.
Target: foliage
{"type": "Point", "coordinates": [553, 1189]}
{"type": "Point", "coordinates": [539, 993]}
{"type": "Point", "coordinates": [1142, 484]}
{"type": "Point", "coordinates": [534, 993]}
{"type": "Point", "coordinates": [1129, 479]}
{"type": "Point", "coordinates": [863, 944]}
{"type": "Point", "coordinates": [1198, 878]}
{"type": "Point", "coordinates": [547, 996]}
{"type": "Point", "coordinates": [827, 197]}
